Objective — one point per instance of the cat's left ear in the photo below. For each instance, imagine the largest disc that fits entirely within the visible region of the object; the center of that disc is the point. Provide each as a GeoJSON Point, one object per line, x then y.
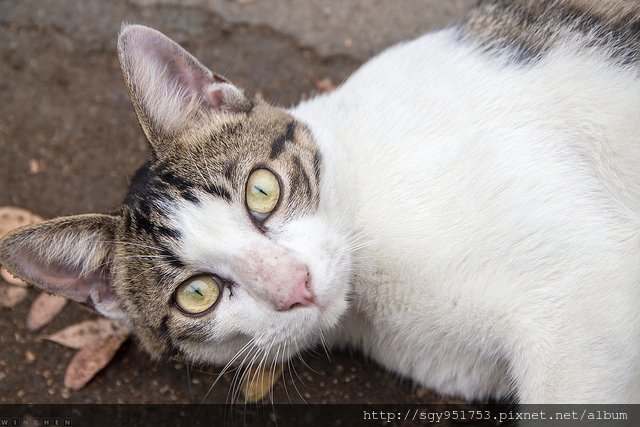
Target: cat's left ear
{"type": "Point", "coordinates": [68, 256]}
{"type": "Point", "coordinates": [170, 89]}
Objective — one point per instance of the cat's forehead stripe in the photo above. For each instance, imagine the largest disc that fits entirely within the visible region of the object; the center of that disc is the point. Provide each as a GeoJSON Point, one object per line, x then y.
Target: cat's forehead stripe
{"type": "Point", "coordinates": [231, 169]}
{"type": "Point", "coordinates": [278, 145]}
{"type": "Point", "coordinates": [171, 258]}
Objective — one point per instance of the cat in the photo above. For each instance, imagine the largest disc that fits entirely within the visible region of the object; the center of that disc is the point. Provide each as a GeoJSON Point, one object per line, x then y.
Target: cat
{"type": "Point", "coordinates": [464, 209]}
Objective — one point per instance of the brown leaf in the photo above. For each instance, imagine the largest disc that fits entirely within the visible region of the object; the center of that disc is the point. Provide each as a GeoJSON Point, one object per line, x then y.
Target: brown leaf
{"type": "Point", "coordinates": [12, 217]}
{"type": "Point", "coordinates": [90, 360]}
{"type": "Point", "coordinates": [88, 333]}
{"type": "Point", "coordinates": [35, 166]}
{"type": "Point", "coordinates": [11, 279]}
{"type": "Point", "coordinates": [11, 296]}
{"type": "Point", "coordinates": [257, 383]}
{"type": "Point", "coordinates": [324, 85]}
{"type": "Point", "coordinates": [43, 310]}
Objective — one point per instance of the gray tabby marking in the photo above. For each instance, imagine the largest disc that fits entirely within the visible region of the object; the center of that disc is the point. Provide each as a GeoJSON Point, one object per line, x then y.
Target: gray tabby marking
{"type": "Point", "coordinates": [526, 30]}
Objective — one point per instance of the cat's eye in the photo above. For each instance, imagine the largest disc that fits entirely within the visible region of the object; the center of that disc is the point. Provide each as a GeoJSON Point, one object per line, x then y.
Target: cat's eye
{"type": "Point", "coordinates": [197, 294]}
{"type": "Point", "coordinates": [262, 193]}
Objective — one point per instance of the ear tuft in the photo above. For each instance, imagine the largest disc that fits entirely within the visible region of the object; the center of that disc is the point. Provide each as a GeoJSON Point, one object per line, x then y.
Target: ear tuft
{"type": "Point", "coordinates": [168, 86]}
{"type": "Point", "coordinates": [69, 256]}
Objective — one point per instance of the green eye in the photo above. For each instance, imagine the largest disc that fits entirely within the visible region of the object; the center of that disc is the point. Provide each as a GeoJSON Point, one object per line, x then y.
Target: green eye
{"type": "Point", "coordinates": [262, 192]}
{"type": "Point", "coordinates": [197, 294]}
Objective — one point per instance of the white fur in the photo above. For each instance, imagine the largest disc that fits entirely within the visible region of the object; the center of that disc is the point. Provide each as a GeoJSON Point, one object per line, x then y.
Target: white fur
{"type": "Point", "coordinates": [220, 238]}
{"type": "Point", "coordinates": [499, 207]}
{"type": "Point", "coordinates": [482, 218]}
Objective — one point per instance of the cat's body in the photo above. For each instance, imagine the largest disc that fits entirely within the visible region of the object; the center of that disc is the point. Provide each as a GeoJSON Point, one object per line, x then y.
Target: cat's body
{"type": "Point", "coordinates": [465, 209]}
{"type": "Point", "coordinates": [503, 161]}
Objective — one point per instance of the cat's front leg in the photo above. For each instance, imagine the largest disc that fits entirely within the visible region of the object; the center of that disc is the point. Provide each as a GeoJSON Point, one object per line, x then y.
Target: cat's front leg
{"type": "Point", "coordinates": [574, 367]}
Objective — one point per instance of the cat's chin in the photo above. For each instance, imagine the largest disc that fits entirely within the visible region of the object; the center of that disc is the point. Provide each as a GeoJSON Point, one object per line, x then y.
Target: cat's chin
{"type": "Point", "coordinates": [289, 334]}
{"type": "Point", "coordinates": [299, 328]}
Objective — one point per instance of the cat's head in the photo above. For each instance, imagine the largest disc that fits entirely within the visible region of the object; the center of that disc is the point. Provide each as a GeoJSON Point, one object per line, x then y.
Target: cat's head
{"type": "Point", "coordinates": [221, 248]}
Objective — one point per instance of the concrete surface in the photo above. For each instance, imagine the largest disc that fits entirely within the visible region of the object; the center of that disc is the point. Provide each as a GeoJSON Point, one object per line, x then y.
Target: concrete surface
{"type": "Point", "coordinates": [69, 143]}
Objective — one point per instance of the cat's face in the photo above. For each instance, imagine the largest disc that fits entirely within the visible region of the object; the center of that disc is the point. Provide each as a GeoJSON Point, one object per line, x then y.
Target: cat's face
{"type": "Point", "coordinates": [221, 250]}
{"type": "Point", "coordinates": [278, 266]}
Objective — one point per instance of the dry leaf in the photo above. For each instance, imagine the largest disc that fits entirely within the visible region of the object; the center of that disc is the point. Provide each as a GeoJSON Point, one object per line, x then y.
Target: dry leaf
{"type": "Point", "coordinates": [258, 383]}
{"type": "Point", "coordinates": [11, 296]}
{"type": "Point", "coordinates": [87, 333]}
{"type": "Point", "coordinates": [90, 360]}
{"type": "Point", "coordinates": [12, 217]}
{"type": "Point", "coordinates": [35, 166]}
{"type": "Point", "coordinates": [11, 279]}
{"type": "Point", "coordinates": [43, 310]}
{"type": "Point", "coordinates": [324, 85]}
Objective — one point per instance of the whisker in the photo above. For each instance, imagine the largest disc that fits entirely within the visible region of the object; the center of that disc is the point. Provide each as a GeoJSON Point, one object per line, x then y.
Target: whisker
{"type": "Point", "coordinates": [292, 368]}
{"type": "Point", "coordinates": [324, 345]}
{"type": "Point", "coordinates": [236, 386]}
{"type": "Point", "coordinates": [206, 164]}
{"type": "Point", "coordinates": [282, 373]}
{"type": "Point", "coordinates": [240, 372]}
{"type": "Point", "coordinates": [228, 365]}
{"type": "Point", "coordinates": [195, 163]}
{"type": "Point", "coordinates": [186, 364]}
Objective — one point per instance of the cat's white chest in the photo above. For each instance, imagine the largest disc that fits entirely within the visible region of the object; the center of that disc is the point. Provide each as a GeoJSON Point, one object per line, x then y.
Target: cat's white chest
{"type": "Point", "coordinates": [421, 333]}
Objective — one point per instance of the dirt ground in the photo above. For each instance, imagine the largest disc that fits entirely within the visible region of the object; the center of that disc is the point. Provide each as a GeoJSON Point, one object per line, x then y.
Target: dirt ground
{"type": "Point", "coordinates": [69, 143]}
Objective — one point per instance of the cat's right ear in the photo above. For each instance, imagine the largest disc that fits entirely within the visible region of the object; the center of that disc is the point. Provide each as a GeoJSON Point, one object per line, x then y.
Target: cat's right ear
{"type": "Point", "coordinates": [170, 89]}
{"type": "Point", "coordinates": [68, 256]}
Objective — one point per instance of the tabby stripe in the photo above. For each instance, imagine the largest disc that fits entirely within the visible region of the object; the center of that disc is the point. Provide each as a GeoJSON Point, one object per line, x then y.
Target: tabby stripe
{"type": "Point", "coordinates": [143, 223]}
{"type": "Point", "coordinates": [172, 349]}
{"type": "Point", "coordinates": [185, 187]}
{"type": "Point", "coordinates": [230, 170]}
{"type": "Point", "coordinates": [192, 335]}
{"type": "Point", "coordinates": [189, 196]}
{"type": "Point", "coordinates": [218, 190]}
{"type": "Point", "coordinates": [317, 162]}
{"type": "Point", "coordinates": [175, 181]}
{"type": "Point", "coordinates": [171, 258]}
{"type": "Point", "coordinates": [169, 232]}
{"type": "Point", "coordinates": [517, 25]}
{"type": "Point", "coordinates": [278, 145]}
{"type": "Point", "coordinates": [301, 175]}
{"type": "Point", "coordinates": [126, 214]}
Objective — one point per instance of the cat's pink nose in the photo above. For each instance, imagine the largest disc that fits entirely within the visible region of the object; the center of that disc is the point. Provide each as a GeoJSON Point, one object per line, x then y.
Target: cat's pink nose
{"type": "Point", "coordinates": [300, 294]}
